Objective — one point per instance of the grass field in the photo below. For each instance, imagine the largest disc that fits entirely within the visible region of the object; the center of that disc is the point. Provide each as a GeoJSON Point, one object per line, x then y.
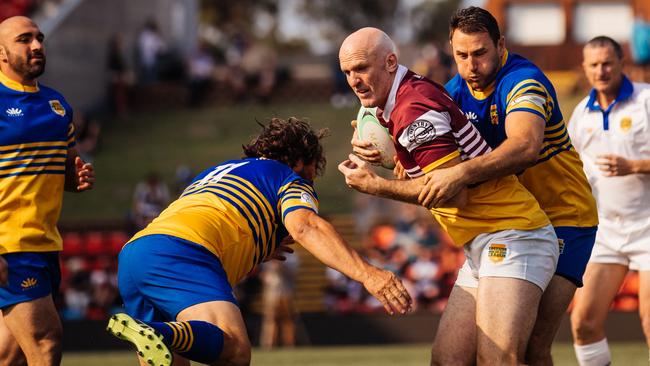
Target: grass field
{"type": "Point", "coordinates": [628, 354]}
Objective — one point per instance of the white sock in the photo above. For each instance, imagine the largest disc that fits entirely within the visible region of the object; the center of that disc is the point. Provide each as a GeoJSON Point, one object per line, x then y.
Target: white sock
{"type": "Point", "coordinates": [593, 354]}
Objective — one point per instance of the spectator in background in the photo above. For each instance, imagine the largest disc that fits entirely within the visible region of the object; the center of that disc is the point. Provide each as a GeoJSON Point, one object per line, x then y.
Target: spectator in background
{"type": "Point", "coordinates": [433, 64]}
{"type": "Point", "coordinates": [150, 46]}
{"type": "Point", "coordinates": [259, 64]}
{"type": "Point", "coordinates": [182, 178]}
{"type": "Point", "coordinates": [200, 69]}
{"type": "Point", "coordinates": [279, 312]}
{"type": "Point", "coordinates": [118, 76]}
{"type": "Point", "coordinates": [151, 196]}
{"type": "Point", "coordinates": [610, 129]}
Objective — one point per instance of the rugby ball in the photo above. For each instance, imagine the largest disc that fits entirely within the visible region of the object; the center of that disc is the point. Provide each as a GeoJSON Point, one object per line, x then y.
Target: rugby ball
{"type": "Point", "coordinates": [370, 129]}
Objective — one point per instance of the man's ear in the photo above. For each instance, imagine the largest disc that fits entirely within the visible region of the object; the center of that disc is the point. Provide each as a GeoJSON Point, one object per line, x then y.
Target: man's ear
{"type": "Point", "coordinates": [3, 54]}
{"type": "Point", "coordinates": [391, 62]}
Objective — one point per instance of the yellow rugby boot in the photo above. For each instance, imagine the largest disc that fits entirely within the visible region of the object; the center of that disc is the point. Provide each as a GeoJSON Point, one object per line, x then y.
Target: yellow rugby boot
{"type": "Point", "coordinates": [148, 342]}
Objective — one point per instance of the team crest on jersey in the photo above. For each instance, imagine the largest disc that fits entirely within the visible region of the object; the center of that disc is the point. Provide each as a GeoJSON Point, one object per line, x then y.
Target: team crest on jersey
{"type": "Point", "coordinates": [497, 252]}
{"type": "Point", "coordinates": [494, 117]}
{"type": "Point", "coordinates": [626, 124]}
{"type": "Point", "coordinates": [420, 131]}
{"type": "Point", "coordinates": [57, 107]}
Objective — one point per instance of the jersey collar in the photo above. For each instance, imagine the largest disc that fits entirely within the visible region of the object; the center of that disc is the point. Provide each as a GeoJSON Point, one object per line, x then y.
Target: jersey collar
{"type": "Point", "coordinates": [624, 93]}
{"type": "Point", "coordinates": [392, 95]}
{"type": "Point", "coordinates": [14, 85]}
{"type": "Point", "coordinates": [480, 95]}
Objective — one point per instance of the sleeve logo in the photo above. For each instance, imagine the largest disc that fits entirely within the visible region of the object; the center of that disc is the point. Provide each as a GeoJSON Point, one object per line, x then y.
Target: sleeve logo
{"type": "Point", "coordinates": [309, 200]}
{"type": "Point", "coordinates": [420, 131]}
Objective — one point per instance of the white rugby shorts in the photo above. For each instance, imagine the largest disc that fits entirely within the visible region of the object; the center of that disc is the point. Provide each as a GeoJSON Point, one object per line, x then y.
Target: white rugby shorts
{"type": "Point", "coordinates": [529, 255]}
{"type": "Point", "coordinates": [625, 242]}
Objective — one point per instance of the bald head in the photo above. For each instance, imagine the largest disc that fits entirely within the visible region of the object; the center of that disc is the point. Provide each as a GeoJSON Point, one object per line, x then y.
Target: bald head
{"type": "Point", "coordinates": [9, 26]}
{"type": "Point", "coordinates": [22, 55]}
{"type": "Point", "coordinates": [370, 41]}
{"type": "Point", "coordinates": [369, 61]}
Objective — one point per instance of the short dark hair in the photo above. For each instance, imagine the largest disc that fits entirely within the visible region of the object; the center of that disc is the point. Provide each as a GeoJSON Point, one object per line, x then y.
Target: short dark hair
{"type": "Point", "coordinates": [475, 20]}
{"type": "Point", "coordinates": [604, 41]}
{"type": "Point", "coordinates": [288, 141]}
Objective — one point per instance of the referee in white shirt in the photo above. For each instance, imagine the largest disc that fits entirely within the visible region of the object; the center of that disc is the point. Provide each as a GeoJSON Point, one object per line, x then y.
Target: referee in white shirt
{"type": "Point", "coordinates": [610, 128]}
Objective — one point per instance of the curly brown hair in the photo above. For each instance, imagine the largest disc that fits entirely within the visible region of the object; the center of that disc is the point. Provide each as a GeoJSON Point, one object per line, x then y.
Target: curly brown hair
{"type": "Point", "coordinates": [288, 141]}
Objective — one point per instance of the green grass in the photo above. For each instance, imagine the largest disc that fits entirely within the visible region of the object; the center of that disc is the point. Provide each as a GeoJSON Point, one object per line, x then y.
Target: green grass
{"type": "Point", "coordinates": [159, 141]}
{"type": "Point", "coordinates": [629, 354]}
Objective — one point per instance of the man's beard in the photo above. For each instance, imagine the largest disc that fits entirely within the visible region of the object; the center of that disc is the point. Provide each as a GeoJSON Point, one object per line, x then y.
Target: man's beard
{"type": "Point", "coordinates": [25, 69]}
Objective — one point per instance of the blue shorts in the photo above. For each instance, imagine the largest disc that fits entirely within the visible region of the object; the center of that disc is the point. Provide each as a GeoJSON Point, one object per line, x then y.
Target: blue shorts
{"type": "Point", "coordinates": [32, 275]}
{"type": "Point", "coordinates": [160, 275]}
{"type": "Point", "coordinates": [575, 250]}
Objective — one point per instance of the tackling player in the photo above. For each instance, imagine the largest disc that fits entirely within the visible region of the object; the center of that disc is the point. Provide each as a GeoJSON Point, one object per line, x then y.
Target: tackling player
{"type": "Point", "coordinates": [37, 162]}
{"type": "Point", "coordinates": [511, 248]}
{"type": "Point", "coordinates": [515, 108]}
{"type": "Point", "coordinates": [177, 274]}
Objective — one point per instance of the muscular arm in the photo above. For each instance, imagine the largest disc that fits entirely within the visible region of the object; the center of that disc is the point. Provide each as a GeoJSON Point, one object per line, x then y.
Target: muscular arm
{"type": "Point", "coordinates": [320, 238]}
{"type": "Point", "coordinates": [359, 176]}
{"type": "Point", "coordinates": [519, 151]}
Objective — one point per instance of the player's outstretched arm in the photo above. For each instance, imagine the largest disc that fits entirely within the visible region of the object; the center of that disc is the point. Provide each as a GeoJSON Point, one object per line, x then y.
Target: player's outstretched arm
{"type": "Point", "coordinates": [321, 239]}
{"type": "Point", "coordinates": [79, 175]}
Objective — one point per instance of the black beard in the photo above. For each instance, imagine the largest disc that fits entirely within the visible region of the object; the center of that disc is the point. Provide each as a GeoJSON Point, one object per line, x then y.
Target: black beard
{"type": "Point", "coordinates": [25, 69]}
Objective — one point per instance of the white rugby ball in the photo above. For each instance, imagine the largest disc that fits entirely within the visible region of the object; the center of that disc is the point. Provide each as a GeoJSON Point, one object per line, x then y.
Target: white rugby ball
{"type": "Point", "coordinates": [370, 129]}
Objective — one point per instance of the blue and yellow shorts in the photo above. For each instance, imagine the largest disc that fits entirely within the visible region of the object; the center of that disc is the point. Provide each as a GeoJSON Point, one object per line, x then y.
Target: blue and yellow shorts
{"type": "Point", "coordinates": [32, 275]}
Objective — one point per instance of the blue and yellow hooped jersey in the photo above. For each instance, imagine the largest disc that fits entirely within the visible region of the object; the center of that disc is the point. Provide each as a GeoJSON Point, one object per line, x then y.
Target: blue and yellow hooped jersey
{"type": "Point", "coordinates": [36, 132]}
{"type": "Point", "coordinates": [557, 180]}
{"type": "Point", "coordinates": [236, 210]}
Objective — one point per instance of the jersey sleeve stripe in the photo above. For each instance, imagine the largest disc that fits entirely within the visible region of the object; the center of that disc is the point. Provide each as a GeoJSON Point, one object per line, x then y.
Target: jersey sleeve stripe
{"type": "Point", "coordinates": [541, 114]}
{"type": "Point", "coordinates": [440, 161]}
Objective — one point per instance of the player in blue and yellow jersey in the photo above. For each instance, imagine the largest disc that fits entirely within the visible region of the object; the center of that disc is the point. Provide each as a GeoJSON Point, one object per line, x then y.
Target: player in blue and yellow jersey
{"type": "Point", "coordinates": [176, 275]}
{"type": "Point", "coordinates": [515, 108]}
{"type": "Point", "coordinates": [37, 162]}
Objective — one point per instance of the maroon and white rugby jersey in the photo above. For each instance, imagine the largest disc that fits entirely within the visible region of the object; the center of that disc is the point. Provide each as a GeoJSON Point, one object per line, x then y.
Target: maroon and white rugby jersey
{"type": "Point", "coordinates": [429, 130]}
{"type": "Point", "coordinates": [427, 126]}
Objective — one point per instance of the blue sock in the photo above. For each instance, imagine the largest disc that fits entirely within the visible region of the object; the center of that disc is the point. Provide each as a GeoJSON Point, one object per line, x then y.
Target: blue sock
{"type": "Point", "coordinates": [195, 339]}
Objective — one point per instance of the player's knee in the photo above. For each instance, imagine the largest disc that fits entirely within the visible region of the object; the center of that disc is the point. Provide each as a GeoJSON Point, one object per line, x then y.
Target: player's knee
{"type": "Point", "coordinates": [584, 329]}
{"type": "Point", "coordinates": [236, 352]}
{"type": "Point", "coordinates": [498, 357]}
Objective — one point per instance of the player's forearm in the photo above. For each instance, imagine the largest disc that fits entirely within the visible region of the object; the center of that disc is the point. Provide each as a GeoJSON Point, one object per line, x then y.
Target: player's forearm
{"type": "Point", "coordinates": [405, 190]}
{"type": "Point", "coordinates": [510, 157]}
{"type": "Point", "coordinates": [320, 238]}
{"type": "Point", "coordinates": [641, 166]}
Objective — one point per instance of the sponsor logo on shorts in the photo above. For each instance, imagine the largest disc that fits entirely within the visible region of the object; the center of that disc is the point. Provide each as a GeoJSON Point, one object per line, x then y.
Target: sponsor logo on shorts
{"type": "Point", "coordinates": [560, 243]}
{"type": "Point", "coordinates": [497, 252]}
{"type": "Point", "coordinates": [29, 283]}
